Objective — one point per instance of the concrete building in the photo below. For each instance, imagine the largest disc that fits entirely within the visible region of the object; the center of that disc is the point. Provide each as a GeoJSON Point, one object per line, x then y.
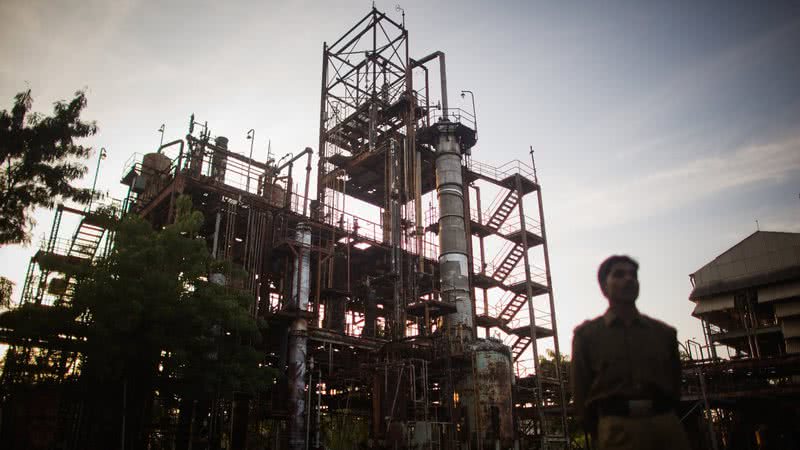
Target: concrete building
{"type": "Point", "coordinates": [749, 296]}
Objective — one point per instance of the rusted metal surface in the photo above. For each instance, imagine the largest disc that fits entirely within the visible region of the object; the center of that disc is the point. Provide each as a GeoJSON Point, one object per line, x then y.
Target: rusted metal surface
{"type": "Point", "coordinates": [298, 336]}
{"type": "Point", "coordinates": [493, 384]}
{"type": "Point", "coordinates": [391, 328]}
{"type": "Point", "coordinates": [453, 257]}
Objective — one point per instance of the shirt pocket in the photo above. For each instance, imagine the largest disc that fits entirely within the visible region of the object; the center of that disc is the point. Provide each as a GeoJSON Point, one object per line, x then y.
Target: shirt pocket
{"type": "Point", "coordinates": [614, 370]}
{"type": "Point", "coordinates": [652, 369]}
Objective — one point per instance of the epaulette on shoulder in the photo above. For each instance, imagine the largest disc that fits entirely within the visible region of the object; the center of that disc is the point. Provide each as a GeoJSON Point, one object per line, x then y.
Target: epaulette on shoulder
{"type": "Point", "coordinates": [660, 324]}
{"type": "Point", "coordinates": [587, 325]}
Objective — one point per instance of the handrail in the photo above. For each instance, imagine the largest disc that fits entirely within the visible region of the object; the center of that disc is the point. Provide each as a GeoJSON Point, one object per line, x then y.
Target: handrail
{"type": "Point", "coordinates": [532, 225]}
{"type": "Point", "coordinates": [456, 115]}
{"type": "Point", "coordinates": [510, 168]}
{"type": "Point", "coordinates": [132, 162]}
{"type": "Point", "coordinates": [58, 245]}
{"type": "Point", "coordinates": [507, 247]}
{"type": "Point", "coordinates": [361, 228]}
{"type": "Point", "coordinates": [509, 226]}
{"type": "Point", "coordinates": [518, 274]}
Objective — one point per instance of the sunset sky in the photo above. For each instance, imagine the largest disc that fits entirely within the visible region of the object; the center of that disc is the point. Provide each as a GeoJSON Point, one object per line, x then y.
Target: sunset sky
{"type": "Point", "coordinates": [663, 130]}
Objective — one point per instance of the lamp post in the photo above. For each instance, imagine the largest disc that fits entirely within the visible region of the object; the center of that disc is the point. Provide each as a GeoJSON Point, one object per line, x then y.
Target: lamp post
{"type": "Point", "coordinates": [102, 156]}
{"type": "Point", "coordinates": [474, 112]}
{"type": "Point", "coordinates": [161, 129]}
{"type": "Point", "coordinates": [251, 135]}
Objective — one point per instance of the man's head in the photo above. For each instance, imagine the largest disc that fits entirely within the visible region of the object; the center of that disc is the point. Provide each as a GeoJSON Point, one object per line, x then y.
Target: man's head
{"type": "Point", "coordinates": [618, 279]}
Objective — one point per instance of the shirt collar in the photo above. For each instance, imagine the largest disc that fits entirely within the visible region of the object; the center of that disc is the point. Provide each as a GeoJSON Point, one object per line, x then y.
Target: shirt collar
{"type": "Point", "coordinates": [611, 318]}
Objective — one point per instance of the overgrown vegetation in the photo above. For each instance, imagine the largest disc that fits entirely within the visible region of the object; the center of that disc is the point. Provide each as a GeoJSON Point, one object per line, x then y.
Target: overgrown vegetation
{"type": "Point", "coordinates": [156, 322]}
{"type": "Point", "coordinates": [547, 365]}
{"type": "Point", "coordinates": [6, 290]}
{"type": "Point", "coordinates": [160, 342]}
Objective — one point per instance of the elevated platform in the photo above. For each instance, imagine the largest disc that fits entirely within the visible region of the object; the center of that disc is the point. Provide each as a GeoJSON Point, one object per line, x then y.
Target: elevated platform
{"type": "Point", "coordinates": [330, 292]}
{"type": "Point", "coordinates": [365, 166]}
{"type": "Point", "coordinates": [42, 326]}
{"type": "Point", "coordinates": [487, 321]}
{"type": "Point", "coordinates": [525, 331]}
{"type": "Point", "coordinates": [520, 287]}
{"type": "Point", "coordinates": [466, 135]}
{"type": "Point", "coordinates": [326, 336]}
{"type": "Point", "coordinates": [367, 175]}
{"type": "Point", "coordinates": [436, 308]}
{"type": "Point", "coordinates": [485, 281]}
{"type": "Point", "coordinates": [291, 314]}
{"type": "Point", "coordinates": [483, 230]}
{"type": "Point", "coordinates": [70, 265]}
{"type": "Point", "coordinates": [516, 237]}
{"type": "Point", "coordinates": [502, 180]}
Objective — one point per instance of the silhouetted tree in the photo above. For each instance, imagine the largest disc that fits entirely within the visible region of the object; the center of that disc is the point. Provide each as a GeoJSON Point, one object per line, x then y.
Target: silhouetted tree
{"type": "Point", "coordinates": [157, 322]}
{"type": "Point", "coordinates": [547, 364]}
{"type": "Point", "coordinates": [6, 289]}
{"type": "Point", "coordinates": [39, 160]}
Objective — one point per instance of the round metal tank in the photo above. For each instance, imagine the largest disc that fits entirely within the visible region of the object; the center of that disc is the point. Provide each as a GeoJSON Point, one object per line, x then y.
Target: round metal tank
{"type": "Point", "coordinates": [274, 194]}
{"type": "Point", "coordinates": [155, 168]}
{"type": "Point", "coordinates": [490, 405]}
{"type": "Point", "coordinates": [155, 163]}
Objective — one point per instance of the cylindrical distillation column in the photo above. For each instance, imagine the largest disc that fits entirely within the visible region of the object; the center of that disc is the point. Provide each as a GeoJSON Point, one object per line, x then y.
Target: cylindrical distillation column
{"type": "Point", "coordinates": [453, 261]}
{"type": "Point", "coordinates": [297, 340]}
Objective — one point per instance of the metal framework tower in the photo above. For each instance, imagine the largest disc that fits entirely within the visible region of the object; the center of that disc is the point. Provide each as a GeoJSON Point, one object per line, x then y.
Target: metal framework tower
{"type": "Point", "coordinates": [374, 296]}
{"type": "Point", "coordinates": [379, 152]}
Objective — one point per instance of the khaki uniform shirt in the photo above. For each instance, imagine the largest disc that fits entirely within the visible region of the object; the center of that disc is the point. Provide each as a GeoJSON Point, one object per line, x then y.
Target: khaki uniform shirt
{"type": "Point", "coordinates": [613, 360]}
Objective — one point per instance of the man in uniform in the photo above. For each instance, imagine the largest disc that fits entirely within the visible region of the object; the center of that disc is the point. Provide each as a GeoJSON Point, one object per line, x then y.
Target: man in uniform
{"type": "Point", "coordinates": [626, 372]}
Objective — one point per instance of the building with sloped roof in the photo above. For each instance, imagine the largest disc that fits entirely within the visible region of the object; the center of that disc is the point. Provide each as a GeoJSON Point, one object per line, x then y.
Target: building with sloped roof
{"type": "Point", "coordinates": [746, 377]}
{"type": "Point", "coordinates": [749, 296]}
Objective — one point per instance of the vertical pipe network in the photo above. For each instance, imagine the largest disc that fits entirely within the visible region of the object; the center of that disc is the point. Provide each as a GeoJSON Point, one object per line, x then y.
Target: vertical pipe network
{"type": "Point", "coordinates": [398, 325]}
{"type": "Point", "coordinates": [453, 260]}
{"type": "Point", "coordinates": [297, 340]}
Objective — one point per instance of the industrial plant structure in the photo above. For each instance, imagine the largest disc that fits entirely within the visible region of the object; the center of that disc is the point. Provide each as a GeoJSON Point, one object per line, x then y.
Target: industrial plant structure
{"type": "Point", "coordinates": [746, 375]}
{"type": "Point", "coordinates": [405, 284]}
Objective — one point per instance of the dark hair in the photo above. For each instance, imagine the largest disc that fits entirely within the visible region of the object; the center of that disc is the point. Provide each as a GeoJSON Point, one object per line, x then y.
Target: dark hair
{"type": "Point", "coordinates": [605, 266]}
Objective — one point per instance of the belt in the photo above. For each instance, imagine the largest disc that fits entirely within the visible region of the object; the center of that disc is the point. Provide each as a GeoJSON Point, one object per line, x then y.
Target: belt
{"type": "Point", "coordinates": [633, 407]}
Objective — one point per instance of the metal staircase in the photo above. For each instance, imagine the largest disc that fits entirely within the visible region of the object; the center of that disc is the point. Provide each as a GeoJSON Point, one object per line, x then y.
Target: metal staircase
{"type": "Point", "coordinates": [508, 263]}
{"type": "Point", "coordinates": [519, 346]}
{"type": "Point", "coordinates": [512, 305]}
{"type": "Point", "coordinates": [51, 275]}
{"type": "Point", "coordinates": [503, 210]}
{"type": "Point", "coordinates": [86, 240]}
{"type": "Point", "coordinates": [528, 329]}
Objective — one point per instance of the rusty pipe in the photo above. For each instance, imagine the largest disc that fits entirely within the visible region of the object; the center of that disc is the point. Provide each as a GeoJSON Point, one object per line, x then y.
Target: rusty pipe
{"type": "Point", "coordinates": [295, 158]}
{"type": "Point", "coordinates": [308, 179]}
{"type": "Point", "coordinates": [180, 151]}
{"type": "Point", "coordinates": [442, 73]}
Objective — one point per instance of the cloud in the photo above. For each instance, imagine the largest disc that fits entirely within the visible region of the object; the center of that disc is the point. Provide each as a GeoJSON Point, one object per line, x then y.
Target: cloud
{"type": "Point", "coordinates": [46, 36]}
{"type": "Point", "coordinates": [694, 180]}
{"type": "Point", "coordinates": [684, 90]}
{"type": "Point", "coordinates": [783, 219]}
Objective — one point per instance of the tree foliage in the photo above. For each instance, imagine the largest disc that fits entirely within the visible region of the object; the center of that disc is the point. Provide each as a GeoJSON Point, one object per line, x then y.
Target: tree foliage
{"type": "Point", "coordinates": [6, 290]}
{"type": "Point", "coordinates": [547, 366]}
{"type": "Point", "coordinates": [39, 159]}
{"type": "Point", "coordinates": [151, 309]}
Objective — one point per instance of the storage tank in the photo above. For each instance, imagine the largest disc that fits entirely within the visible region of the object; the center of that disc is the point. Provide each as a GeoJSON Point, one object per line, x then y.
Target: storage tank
{"type": "Point", "coordinates": [155, 170]}
{"type": "Point", "coordinates": [274, 194]}
{"type": "Point", "coordinates": [487, 394]}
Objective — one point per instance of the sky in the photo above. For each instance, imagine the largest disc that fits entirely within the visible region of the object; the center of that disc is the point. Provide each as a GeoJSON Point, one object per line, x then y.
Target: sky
{"type": "Point", "coordinates": [663, 130]}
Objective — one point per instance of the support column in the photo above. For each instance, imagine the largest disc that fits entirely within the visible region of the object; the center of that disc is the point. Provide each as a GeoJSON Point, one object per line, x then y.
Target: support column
{"type": "Point", "coordinates": [532, 314]}
{"type": "Point", "coordinates": [453, 252]}
{"type": "Point", "coordinates": [298, 335]}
